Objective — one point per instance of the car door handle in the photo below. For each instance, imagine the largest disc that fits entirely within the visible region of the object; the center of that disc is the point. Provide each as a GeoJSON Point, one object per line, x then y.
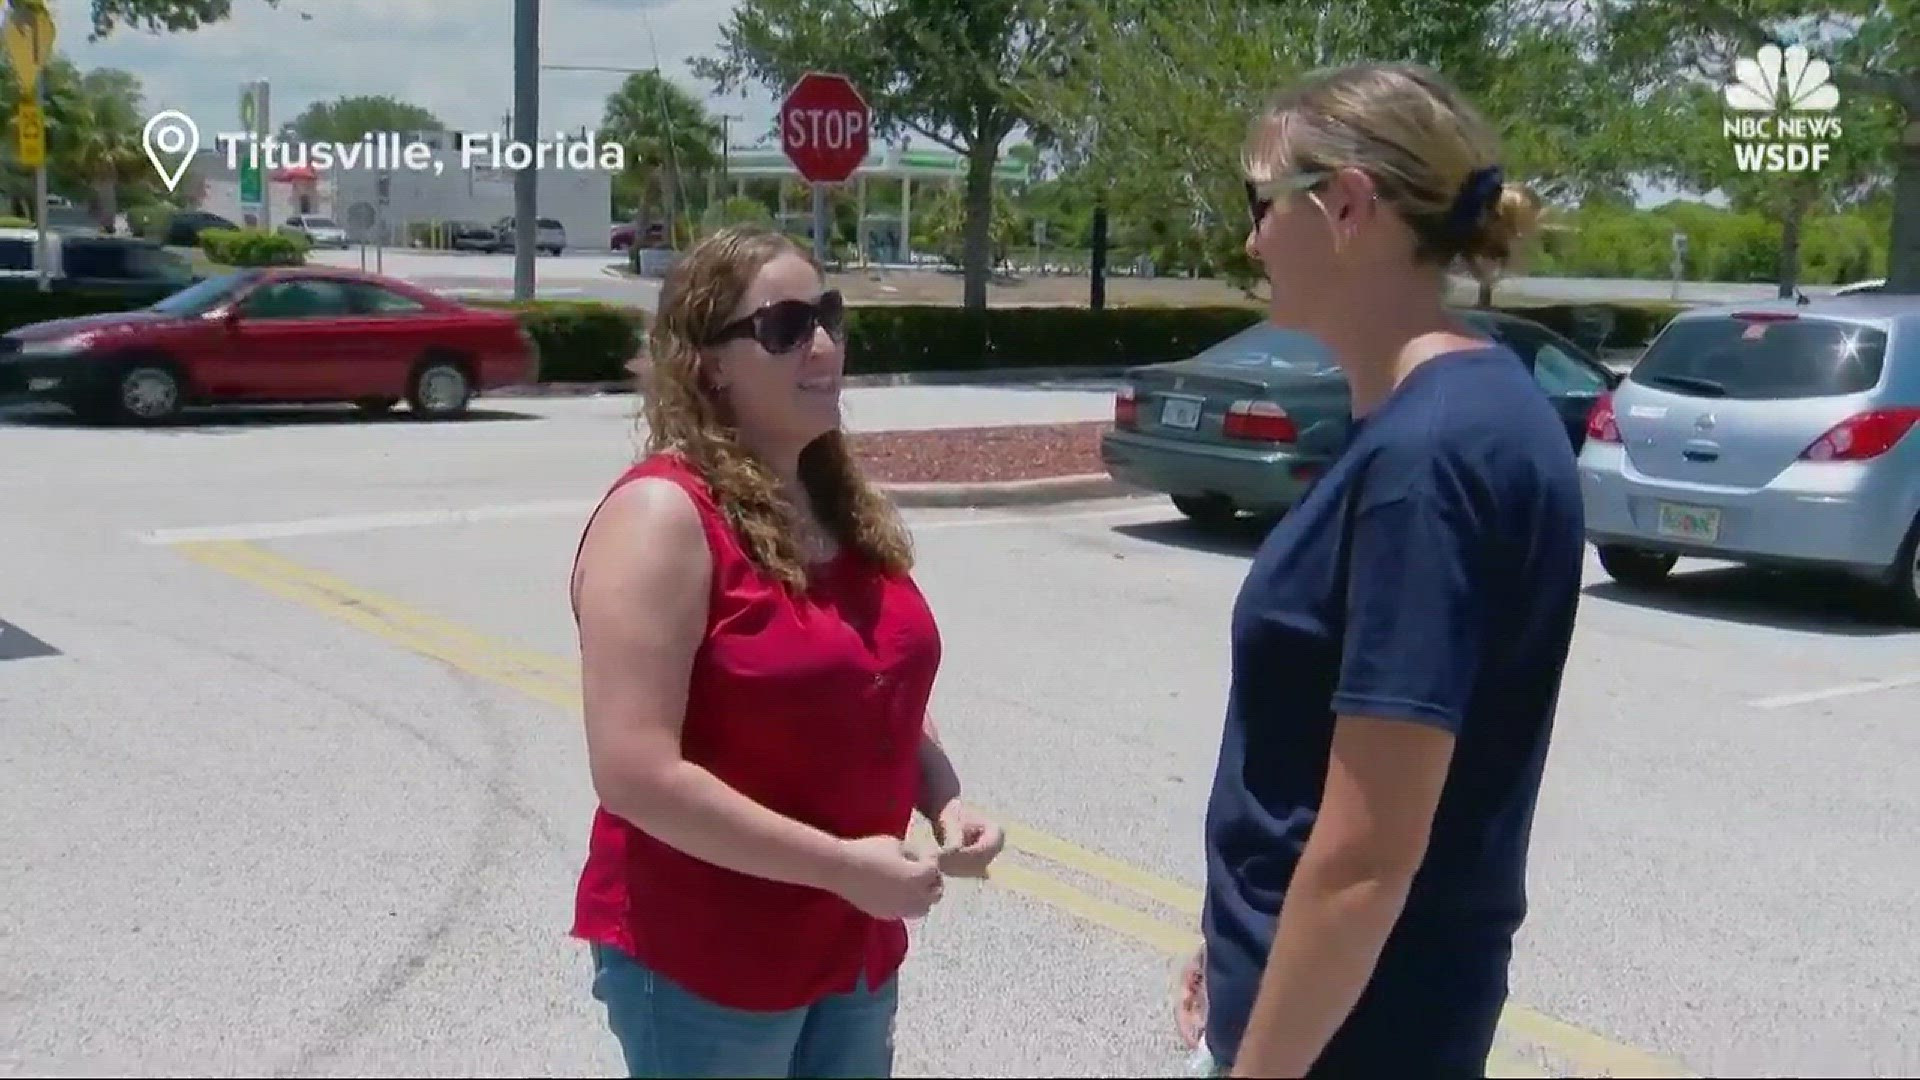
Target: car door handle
{"type": "Point", "coordinates": [1701, 453]}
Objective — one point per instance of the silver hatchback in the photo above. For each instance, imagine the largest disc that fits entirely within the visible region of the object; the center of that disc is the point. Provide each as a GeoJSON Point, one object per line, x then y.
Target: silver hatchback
{"type": "Point", "coordinates": [1779, 433]}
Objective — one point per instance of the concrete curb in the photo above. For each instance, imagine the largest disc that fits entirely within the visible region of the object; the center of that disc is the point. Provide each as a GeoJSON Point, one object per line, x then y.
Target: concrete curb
{"type": "Point", "coordinates": [1049, 489]}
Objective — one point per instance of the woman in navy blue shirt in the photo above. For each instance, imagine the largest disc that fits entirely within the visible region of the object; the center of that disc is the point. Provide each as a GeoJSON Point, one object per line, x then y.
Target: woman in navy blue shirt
{"type": "Point", "coordinates": [1398, 643]}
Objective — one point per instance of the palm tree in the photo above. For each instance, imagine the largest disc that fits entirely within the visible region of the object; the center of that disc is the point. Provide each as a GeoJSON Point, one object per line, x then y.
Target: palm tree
{"type": "Point", "coordinates": [667, 135]}
{"type": "Point", "coordinates": [93, 134]}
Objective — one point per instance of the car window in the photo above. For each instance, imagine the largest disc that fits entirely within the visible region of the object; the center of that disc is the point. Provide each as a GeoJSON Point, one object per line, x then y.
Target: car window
{"type": "Point", "coordinates": [320, 223]}
{"type": "Point", "coordinates": [1760, 359]}
{"type": "Point", "coordinates": [301, 298]}
{"type": "Point", "coordinates": [206, 295]}
{"type": "Point", "coordinates": [16, 254]}
{"type": "Point", "coordinates": [82, 259]}
{"type": "Point", "coordinates": [373, 300]}
{"type": "Point", "coordinates": [1268, 346]}
{"type": "Point", "coordinates": [1559, 372]}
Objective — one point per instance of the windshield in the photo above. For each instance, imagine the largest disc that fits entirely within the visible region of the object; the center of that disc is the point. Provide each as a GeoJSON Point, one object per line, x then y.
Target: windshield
{"type": "Point", "coordinates": [321, 223]}
{"type": "Point", "coordinates": [1762, 359]}
{"type": "Point", "coordinates": [204, 297]}
{"type": "Point", "coordinates": [1264, 345]}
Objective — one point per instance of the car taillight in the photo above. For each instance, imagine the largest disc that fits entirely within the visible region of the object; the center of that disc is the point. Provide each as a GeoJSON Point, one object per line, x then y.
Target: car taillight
{"type": "Point", "coordinates": [1601, 426]}
{"type": "Point", "coordinates": [1862, 436]}
{"type": "Point", "coordinates": [1126, 408]}
{"type": "Point", "coordinates": [1260, 421]}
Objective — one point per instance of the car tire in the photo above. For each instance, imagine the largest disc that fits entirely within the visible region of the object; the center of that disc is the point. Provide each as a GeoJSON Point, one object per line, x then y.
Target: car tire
{"type": "Point", "coordinates": [141, 392]}
{"type": "Point", "coordinates": [1212, 511]}
{"type": "Point", "coordinates": [1636, 568]}
{"type": "Point", "coordinates": [439, 390]}
{"type": "Point", "coordinates": [1904, 586]}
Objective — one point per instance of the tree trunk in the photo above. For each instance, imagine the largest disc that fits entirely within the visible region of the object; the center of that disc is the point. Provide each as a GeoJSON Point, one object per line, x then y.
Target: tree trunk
{"type": "Point", "coordinates": [1485, 298]}
{"type": "Point", "coordinates": [977, 234]}
{"type": "Point", "coordinates": [1903, 250]}
{"type": "Point", "coordinates": [1799, 200]}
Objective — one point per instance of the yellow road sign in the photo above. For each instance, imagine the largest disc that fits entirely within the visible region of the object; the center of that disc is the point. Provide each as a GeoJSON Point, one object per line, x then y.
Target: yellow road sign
{"type": "Point", "coordinates": [30, 134]}
{"type": "Point", "coordinates": [28, 39]}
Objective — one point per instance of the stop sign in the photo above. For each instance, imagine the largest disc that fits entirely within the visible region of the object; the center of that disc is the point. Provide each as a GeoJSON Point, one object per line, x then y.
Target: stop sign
{"type": "Point", "coordinates": [823, 127]}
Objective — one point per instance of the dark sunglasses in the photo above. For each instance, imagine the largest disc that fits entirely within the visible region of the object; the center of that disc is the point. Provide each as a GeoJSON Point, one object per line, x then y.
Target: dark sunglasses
{"type": "Point", "coordinates": [1261, 197]}
{"type": "Point", "coordinates": [785, 325]}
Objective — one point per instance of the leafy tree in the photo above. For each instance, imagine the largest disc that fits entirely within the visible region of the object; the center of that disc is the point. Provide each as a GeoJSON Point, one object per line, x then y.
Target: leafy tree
{"type": "Point", "coordinates": [951, 72]}
{"type": "Point", "coordinates": [1871, 46]}
{"type": "Point", "coordinates": [94, 122]}
{"type": "Point", "coordinates": [1165, 90]}
{"type": "Point", "coordinates": [153, 15]}
{"type": "Point", "coordinates": [347, 119]}
{"type": "Point", "coordinates": [667, 135]}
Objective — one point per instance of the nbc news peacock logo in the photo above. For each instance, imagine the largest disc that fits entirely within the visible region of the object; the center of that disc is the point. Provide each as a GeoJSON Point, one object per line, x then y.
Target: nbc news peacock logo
{"type": "Point", "coordinates": [1782, 102]}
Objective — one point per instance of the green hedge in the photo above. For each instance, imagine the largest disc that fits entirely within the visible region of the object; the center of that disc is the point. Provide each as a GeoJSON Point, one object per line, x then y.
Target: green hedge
{"type": "Point", "coordinates": [253, 247]}
{"type": "Point", "coordinates": [579, 340]}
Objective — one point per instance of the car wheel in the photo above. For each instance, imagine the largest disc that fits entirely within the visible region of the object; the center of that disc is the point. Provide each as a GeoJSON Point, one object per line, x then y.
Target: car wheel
{"type": "Point", "coordinates": [1905, 584]}
{"type": "Point", "coordinates": [376, 406]}
{"type": "Point", "coordinates": [1633, 567]}
{"type": "Point", "coordinates": [1212, 511]}
{"type": "Point", "coordinates": [146, 392]}
{"type": "Point", "coordinates": [440, 390]}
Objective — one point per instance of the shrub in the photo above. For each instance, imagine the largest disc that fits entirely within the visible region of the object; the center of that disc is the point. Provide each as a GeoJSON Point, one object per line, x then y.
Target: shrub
{"type": "Point", "coordinates": [578, 340]}
{"type": "Point", "coordinates": [252, 247]}
{"type": "Point", "coordinates": [10, 222]}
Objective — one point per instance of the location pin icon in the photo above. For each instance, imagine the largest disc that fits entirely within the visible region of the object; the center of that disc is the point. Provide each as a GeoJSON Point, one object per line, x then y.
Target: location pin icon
{"type": "Point", "coordinates": [168, 133]}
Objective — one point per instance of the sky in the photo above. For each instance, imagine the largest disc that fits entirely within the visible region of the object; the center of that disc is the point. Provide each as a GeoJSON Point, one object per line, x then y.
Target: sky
{"type": "Point", "coordinates": [451, 57]}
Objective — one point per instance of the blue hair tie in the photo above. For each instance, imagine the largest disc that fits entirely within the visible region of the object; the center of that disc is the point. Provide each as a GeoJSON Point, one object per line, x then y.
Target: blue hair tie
{"type": "Point", "coordinates": [1478, 192]}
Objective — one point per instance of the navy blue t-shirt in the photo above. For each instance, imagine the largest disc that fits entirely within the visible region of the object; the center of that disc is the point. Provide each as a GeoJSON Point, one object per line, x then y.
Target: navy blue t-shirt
{"type": "Point", "coordinates": [1462, 558]}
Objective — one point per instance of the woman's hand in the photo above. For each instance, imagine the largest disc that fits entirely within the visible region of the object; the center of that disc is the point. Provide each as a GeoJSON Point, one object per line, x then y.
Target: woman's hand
{"type": "Point", "coordinates": [1190, 1000]}
{"type": "Point", "coordinates": [968, 842]}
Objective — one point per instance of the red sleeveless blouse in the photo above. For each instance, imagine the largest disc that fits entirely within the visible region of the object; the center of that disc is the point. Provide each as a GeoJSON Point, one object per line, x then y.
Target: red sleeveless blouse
{"type": "Point", "coordinates": [812, 705]}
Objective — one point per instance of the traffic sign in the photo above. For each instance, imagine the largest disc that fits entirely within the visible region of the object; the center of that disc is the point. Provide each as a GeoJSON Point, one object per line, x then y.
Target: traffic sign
{"type": "Point", "coordinates": [824, 126]}
{"type": "Point", "coordinates": [30, 135]}
{"type": "Point", "coordinates": [28, 40]}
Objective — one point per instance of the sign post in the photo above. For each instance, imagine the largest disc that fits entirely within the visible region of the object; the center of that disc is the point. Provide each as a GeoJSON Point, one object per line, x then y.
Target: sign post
{"type": "Point", "coordinates": [28, 40]}
{"type": "Point", "coordinates": [1679, 260]}
{"type": "Point", "coordinates": [253, 121]}
{"type": "Point", "coordinates": [824, 130]}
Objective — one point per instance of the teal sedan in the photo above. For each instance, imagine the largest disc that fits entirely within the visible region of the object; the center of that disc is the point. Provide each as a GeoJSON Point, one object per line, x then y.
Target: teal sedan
{"type": "Point", "coordinates": [1248, 423]}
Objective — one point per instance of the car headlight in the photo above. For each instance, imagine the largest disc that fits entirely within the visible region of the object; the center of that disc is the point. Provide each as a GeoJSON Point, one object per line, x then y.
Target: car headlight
{"type": "Point", "coordinates": [66, 346]}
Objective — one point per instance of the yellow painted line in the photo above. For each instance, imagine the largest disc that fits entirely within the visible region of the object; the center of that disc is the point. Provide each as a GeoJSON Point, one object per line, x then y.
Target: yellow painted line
{"type": "Point", "coordinates": [555, 681]}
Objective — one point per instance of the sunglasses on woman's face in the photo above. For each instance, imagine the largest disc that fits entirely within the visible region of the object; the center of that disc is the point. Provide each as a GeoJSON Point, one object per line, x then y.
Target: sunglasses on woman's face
{"type": "Point", "coordinates": [785, 325]}
{"type": "Point", "coordinates": [1261, 197]}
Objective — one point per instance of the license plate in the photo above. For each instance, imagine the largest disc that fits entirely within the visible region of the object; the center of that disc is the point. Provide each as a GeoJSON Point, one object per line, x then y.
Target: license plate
{"type": "Point", "coordinates": [1181, 413]}
{"type": "Point", "coordinates": [1689, 522]}
{"type": "Point", "coordinates": [42, 383]}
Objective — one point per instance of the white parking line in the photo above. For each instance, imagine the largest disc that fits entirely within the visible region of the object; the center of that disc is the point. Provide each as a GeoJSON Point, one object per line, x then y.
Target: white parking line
{"type": "Point", "coordinates": [1808, 697]}
{"type": "Point", "coordinates": [414, 519]}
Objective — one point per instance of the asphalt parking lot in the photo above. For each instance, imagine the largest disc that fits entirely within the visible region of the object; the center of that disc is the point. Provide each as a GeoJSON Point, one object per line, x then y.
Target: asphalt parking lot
{"type": "Point", "coordinates": [296, 783]}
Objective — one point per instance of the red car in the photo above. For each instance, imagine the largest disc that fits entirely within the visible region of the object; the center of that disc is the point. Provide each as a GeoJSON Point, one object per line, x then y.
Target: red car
{"type": "Point", "coordinates": [280, 335]}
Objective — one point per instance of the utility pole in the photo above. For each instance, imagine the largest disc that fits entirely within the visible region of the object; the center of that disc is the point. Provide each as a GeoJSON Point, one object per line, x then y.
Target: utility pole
{"type": "Point", "coordinates": [526, 115]}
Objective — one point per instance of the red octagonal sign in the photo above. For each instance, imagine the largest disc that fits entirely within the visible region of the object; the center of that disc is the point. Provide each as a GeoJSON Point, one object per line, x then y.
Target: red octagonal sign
{"type": "Point", "coordinates": [823, 127]}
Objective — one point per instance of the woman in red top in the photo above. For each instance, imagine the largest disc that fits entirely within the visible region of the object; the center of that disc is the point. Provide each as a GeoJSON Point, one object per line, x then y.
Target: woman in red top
{"type": "Point", "coordinates": [756, 668]}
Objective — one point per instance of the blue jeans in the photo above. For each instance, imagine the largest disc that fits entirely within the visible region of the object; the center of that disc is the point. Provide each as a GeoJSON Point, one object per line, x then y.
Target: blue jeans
{"type": "Point", "coordinates": [664, 1030]}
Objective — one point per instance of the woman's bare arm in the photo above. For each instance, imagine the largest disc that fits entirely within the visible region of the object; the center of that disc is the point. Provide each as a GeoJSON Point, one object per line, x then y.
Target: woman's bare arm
{"type": "Point", "coordinates": [645, 571]}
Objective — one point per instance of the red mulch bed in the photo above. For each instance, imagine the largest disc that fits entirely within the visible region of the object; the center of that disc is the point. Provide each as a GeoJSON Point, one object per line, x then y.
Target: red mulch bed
{"type": "Point", "coordinates": [980, 454]}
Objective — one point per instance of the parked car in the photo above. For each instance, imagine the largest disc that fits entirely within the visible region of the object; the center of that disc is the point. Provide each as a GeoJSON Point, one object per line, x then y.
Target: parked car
{"type": "Point", "coordinates": [1248, 423]}
{"type": "Point", "coordinates": [279, 335]}
{"type": "Point", "coordinates": [99, 263]}
{"type": "Point", "coordinates": [1772, 434]}
{"type": "Point", "coordinates": [318, 230]}
{"type": "Point", "coordinates": [549, 235]}
{"type": "Point", "coordinates": [184, 228]}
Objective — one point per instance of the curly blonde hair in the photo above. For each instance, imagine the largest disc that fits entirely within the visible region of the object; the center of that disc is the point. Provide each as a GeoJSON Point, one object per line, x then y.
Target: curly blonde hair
{"type": "Point", "coordinates": [684, 416]}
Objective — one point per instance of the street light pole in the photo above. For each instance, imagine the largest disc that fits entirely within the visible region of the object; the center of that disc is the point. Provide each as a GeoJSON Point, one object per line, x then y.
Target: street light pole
{"type": "Point", "coordinates": [526, 116]}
